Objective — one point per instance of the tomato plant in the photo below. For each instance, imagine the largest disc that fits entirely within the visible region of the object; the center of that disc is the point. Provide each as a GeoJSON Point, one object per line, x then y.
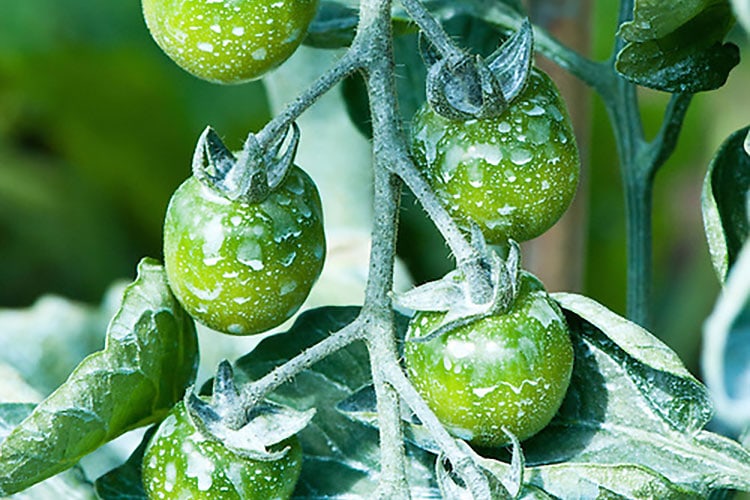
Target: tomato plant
{"type": "Point", "coordinates": [180, 462]}
{"type": "Point", "coordinates": [506, 371]}
{"type": "Point", "coordinates": [239, 267]}
{"type": "Point", "coordinates": [587, 402]}
{"type": "Point", "coordinates": [230, 41]}
{"type": "Point", "coordinates": [514, 175]}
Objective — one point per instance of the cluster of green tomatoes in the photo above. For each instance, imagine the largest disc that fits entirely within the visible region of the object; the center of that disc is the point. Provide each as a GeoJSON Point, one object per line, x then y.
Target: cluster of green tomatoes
{"type": "Point", "coordinates": [244, 266]}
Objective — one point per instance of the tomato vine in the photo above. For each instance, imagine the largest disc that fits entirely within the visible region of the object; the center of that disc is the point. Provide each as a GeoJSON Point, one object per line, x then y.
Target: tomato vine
{"type": "Point", "coordinates": [573, 346]}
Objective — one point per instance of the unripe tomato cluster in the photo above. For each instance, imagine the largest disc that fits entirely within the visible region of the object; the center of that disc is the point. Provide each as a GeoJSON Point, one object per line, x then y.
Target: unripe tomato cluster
{"type": "Point", "coordinates": [513, 176]}
{"type": "Point", "coordinates": [244, 267]}
{"type": "Point", "coordinates": [238, 266]}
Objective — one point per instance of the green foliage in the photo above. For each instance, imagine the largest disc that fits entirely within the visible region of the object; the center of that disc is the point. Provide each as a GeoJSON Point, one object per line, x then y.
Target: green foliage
{"type": "Point", "coordinates": [726, 206]}
{"type": "Point", "coordinates": [341, 456]}
{"type": "Point", "coordinates": [726, 354]}
{"type": "Point", "coordinates": [678, 47]}
{"type": "Point", "coordinates": [78, 146]}
{"type": "Point", "coordinates": [334, 26]}
{"type": "Point", "coordinates": [630, 425]}
{"type": "Point", "coordinates": [64, 332]}
{"type": "Point", "coordinates": [149, 359]}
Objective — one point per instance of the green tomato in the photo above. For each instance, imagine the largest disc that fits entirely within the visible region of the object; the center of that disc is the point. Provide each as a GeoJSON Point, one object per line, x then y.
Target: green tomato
{"type": "Point", "coordinates": [505, 371]}
{"type": "Point", "coordinates": [180, 463]}
{"type": "Point", "coordinates": [243, 268]}
{"type": "Point", "coordinates": [513, 175]}
{"type": "Point", "coordinates": [228, 41]}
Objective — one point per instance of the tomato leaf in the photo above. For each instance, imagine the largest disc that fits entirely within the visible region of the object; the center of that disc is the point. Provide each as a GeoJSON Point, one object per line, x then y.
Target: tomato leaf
{"type": "Point", "coordinates": [334, 26]}
{"type": "Point", "coordinates": [71, 484]}
{"type": "Point", "coordinates": [726, 346]}
{"type": "Point", "coordinates": [678, 47]}
{"type": "Point", "coordinates": [726, 216]}
{"type": "Point", "coordinates": [593, 480]}
{"type": "Point", "coordinates": [125, 482]}
{"type": "Point", "coordinates": [341, 456]}
{"type": "Point", "coordinates": [362, 407]}
{"type": "Point", "coordinates": [632, 404]}
{"type": "Point", "coordinates": [149, 359]}
{"type": "Point", "coordinates": [656, 371]}
{"type": "Point", "coordinates": [64, 332]}
{"type": "Point", "coordinates": [12, 414]}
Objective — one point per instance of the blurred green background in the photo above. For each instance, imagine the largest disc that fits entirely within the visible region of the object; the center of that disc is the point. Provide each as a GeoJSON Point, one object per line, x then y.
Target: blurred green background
{"type": "Point", "coordinates": [97, 128]}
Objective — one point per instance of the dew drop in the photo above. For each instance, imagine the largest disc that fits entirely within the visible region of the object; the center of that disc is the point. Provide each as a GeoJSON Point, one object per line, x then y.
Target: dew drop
{"type": "Point", "coordinates": [288, 287]}
{"type": "Point", "coordinates": [506, 209]}
{"type": "Point", "coordinates": [206, 47]}
{"type": "Point", "coordinates": [537, 110]}
{"type": "Point", "coordinates": [288, 259]}
{"type": "Point", "coordinates": [555, 113]}
{"type": "Point", "coordinates": [520, 156]}
{"type": "Point", "coordinates": [294, 184]}
{"type": "Point", "coordinates": [489, 153]}
{"type": "Point", "coordinates": [475, 174]}
{"type": "Point", "coordinates": [251, 254]}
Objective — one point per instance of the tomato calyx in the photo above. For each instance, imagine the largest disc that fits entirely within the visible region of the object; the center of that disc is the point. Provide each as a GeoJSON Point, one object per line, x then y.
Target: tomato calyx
{"type": "Point", "coordinates": [465, 87]}
{"type": "Point", "coordinates": [246, 432]}
{"type": "Point", "coordinates": [252, 174]}
{"type": "Point", "coordinates": [453, 295]}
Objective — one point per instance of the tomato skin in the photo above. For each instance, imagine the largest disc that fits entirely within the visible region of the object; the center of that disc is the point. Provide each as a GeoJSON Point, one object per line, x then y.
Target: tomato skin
{"type": "Point", "coordinates": [513, 175]}
{"type": "Point", "coordinates": [510, 370]}
{"type": "Point", "coordinates": [179, 462]}
{"type": "Point", "coordinates": [243, 268]}
{"type": "Point", "coordinates": [228, 41]}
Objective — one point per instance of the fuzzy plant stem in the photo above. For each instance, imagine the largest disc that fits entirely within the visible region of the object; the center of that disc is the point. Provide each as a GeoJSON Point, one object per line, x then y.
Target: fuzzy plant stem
{"type": "Point", "coordinates": [345, 66]}
{"type": "Point", "coordinates": [433, 30]}
{"type": "Point", "coordinates": [253, 393]}
{"type": "Point", "coordinates": [375, 30]}
{"type": "Point", "coordinates": [390, 150]}
{"type": "Point", "coordinates": [462, 463]}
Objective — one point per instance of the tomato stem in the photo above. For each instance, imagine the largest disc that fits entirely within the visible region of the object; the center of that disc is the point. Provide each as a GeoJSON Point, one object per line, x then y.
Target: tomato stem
{"type": "Point", "coordinates": [350, 62]}
{"type": "Point", "coordinates": [253, 393]}
{"type": "Point", "coordinates": [462, 462]}
{"type": "Point", "coordinates": [434, 31]}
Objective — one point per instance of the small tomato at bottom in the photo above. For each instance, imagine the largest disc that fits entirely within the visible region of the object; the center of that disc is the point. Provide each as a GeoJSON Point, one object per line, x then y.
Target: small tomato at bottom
{"type": "Point", "coordinates": [180, 463]}
{"type": "Point", "coordinates": [507, 371]}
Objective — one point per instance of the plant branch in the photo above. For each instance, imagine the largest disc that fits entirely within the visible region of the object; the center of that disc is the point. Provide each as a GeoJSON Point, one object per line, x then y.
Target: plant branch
{"type": "Point", "coordinates": [663, 145]}
{"type": "Point", "coordinates": [375, 26]}
{"type": "Point", "coordinates": [346, 65]}
{"type": "Point", "coordinates": [467, 258]}
{"type": "Point", "coordinates": [462, 463]}
{"type": "Point", "coordinates": [433, 30]}
{"type": "Point", "coordinates": [254, 392]}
